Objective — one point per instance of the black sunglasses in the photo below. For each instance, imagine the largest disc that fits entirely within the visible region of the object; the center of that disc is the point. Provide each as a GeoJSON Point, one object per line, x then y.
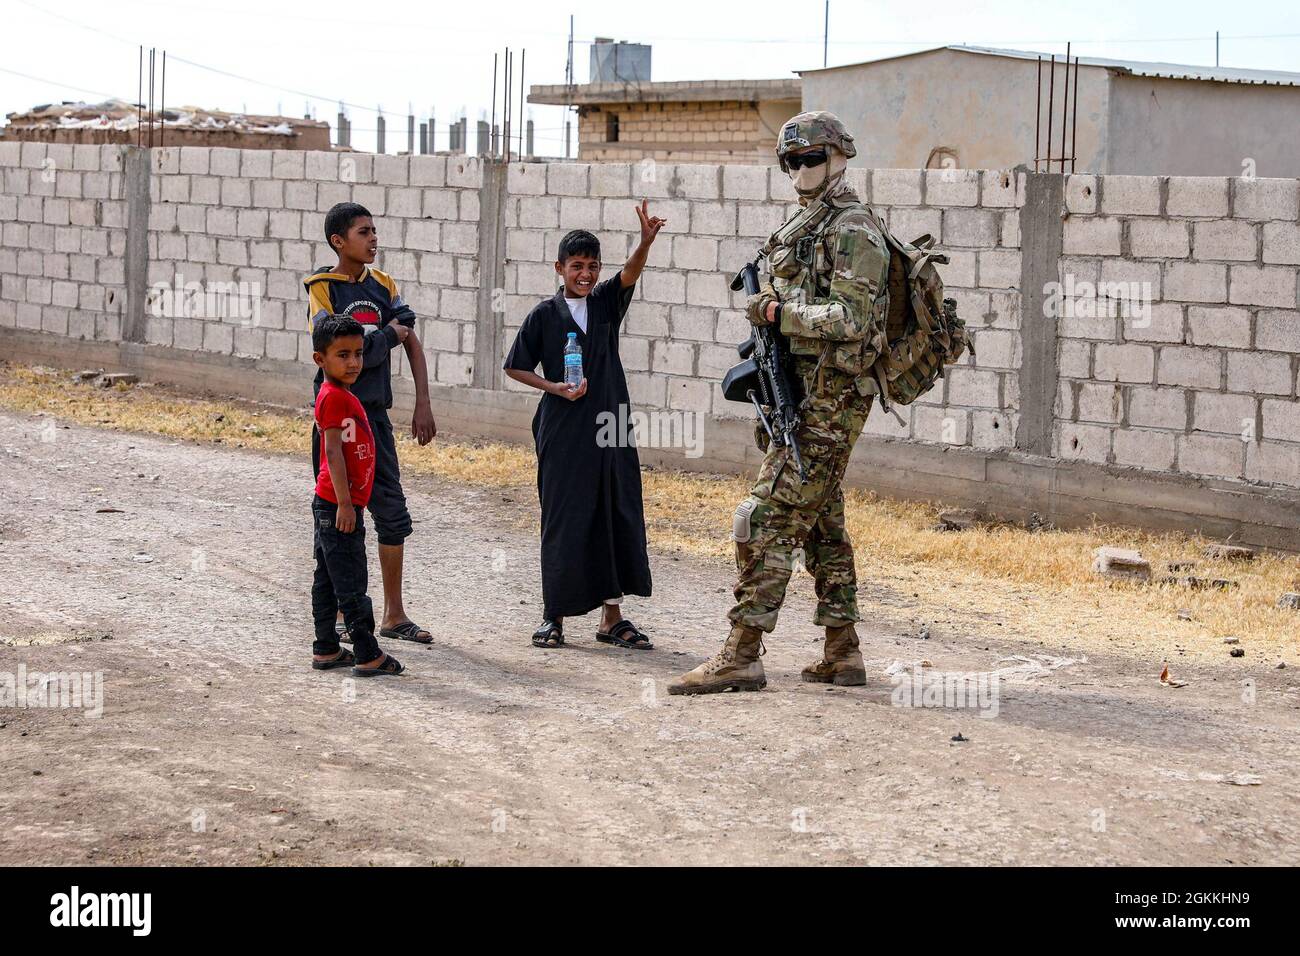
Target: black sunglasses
{"type": "Point", "coordinates": [806, 160]}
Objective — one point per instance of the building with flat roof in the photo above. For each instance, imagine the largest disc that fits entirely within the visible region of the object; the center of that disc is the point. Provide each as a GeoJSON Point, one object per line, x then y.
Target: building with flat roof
{"type": "Point", "coordinates": [980, 108]}
{"type": "Point", "coordinates": [697, 121]}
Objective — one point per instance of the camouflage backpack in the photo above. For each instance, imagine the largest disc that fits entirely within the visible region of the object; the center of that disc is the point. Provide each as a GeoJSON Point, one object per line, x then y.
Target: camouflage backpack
{"type": "Point", "coordinates": [922, 329]}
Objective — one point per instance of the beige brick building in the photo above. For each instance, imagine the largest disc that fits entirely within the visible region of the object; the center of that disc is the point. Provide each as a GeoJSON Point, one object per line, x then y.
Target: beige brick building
{"type": "Point", "coordinates": [711, 121]}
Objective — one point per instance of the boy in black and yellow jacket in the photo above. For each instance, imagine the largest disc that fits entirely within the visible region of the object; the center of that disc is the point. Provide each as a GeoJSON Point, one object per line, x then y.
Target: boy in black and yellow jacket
{"type": "Point", "coordinates": [354, 289]}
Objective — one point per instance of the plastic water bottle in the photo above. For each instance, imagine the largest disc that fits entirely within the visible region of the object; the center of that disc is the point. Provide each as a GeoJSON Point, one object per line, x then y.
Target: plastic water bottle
{"type": "Point", "coordinates": [572, 361]}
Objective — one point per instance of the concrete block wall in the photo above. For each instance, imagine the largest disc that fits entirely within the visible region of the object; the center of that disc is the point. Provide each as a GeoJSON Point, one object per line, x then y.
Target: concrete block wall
{"type": "Point", "coordinates": [1205, 383]}
{"type": "Point", "coordinates": [63, 230]}
{"type": "Point", "coordinates": [1201, 396]}
{"type": "Point", "coordinates": [684, 323]}
{"type": "Point", "coordinates": [218, 216]}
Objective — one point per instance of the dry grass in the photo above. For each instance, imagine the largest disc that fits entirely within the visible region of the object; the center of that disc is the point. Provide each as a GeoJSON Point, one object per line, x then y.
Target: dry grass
{"type": "Point", "coordinates": [1034, 586]}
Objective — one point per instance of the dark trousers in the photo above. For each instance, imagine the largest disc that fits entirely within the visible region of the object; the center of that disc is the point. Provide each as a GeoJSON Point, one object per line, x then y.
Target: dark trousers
{"type": "Point", "coordinates": [387, 504]}
{"type": "Point", "coordinates": [340, 584]}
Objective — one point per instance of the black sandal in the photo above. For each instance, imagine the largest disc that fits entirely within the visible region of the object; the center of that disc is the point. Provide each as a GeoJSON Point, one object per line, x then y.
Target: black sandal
{"type": "Point", "coordinates": [345, 659]}
{"type": "Point", "coordinates": [407, 631]}
{"type": "Point", "coordinates": [625, 634]}
{"type": "Point", "coordinates": [549, 634]}
{"type": "Point", "coordinates": [390, 666]}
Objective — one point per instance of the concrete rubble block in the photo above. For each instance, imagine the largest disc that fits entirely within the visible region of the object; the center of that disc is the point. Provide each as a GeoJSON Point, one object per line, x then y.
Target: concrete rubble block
{"type": "Point", "coordinates": [956, 519]}
{"type": "Point", "coordinates": [116, 378]}
{"type": "Point", "coordinates": [1228, 552]}
{"type": "Point", "coordinates": [1121, 563]}
{"type": "Point", "coordinates": [1290, 600]}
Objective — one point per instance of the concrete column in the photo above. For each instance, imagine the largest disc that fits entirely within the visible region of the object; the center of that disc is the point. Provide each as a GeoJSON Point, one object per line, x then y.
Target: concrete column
{"type": "Point", "coordinates": [488, 337]}
{"type": "Point", "coordinates": [135, 185]}
{"type": "Point", "coordinates": [1041, 227]}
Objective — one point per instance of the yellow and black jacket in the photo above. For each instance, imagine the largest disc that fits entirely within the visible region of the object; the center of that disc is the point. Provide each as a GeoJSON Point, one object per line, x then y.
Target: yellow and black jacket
{"type": "Point", "coordinates": [373, 300]}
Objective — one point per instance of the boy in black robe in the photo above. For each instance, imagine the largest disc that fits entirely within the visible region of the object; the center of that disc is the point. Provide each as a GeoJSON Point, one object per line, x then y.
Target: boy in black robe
{"type": "Point", "coordinates": [593, 523]}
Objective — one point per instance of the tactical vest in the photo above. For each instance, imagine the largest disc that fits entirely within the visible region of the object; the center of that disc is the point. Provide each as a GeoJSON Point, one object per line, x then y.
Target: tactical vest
{"type": "Point", "coordinates": [805, 257]}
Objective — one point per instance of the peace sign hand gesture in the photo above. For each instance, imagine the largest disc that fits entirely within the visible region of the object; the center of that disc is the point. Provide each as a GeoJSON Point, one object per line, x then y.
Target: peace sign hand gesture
{"type": "Point", "coordinates": [650, 225]}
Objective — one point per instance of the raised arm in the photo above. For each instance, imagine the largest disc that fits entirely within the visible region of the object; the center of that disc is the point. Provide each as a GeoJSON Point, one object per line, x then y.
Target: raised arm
{"type": "Point", "coordinates": [650, 226]}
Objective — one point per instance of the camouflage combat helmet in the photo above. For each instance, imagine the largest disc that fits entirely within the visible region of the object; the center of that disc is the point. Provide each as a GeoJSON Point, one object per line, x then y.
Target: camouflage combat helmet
{"type": "Point", "coordinates": [814, 128]}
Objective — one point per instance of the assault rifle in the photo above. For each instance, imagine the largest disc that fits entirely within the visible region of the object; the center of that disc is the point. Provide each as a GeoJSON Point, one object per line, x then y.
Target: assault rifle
{"type": "Point", "coordinates": [763, 377]}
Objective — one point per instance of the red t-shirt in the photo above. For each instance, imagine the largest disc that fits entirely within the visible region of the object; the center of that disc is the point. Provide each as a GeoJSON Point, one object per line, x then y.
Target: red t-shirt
{"type": "Point", "coordinates": [339, 408]}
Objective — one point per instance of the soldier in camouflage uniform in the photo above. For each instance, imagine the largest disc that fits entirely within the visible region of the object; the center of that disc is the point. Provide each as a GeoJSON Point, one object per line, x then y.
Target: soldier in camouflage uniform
{"type": "Point", "coordinates": [828, 290]}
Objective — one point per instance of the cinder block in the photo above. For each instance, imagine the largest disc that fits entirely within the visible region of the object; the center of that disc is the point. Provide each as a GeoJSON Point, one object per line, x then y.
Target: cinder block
{"type": "Point", "coordinates": [711, 218]}
{"type": "Point", "coordinates": [465, 172]}
{"type": "Point", "coordinates": [1197, 196]}
{"type": "Point", "coordinates": [1158, 408]}
{"type": "Point", "coordinates": [403, 202]}
{"type": "Point", "coordinates": [780, 189]}
{"type": "Point", "coordinates": [1161, 322]}
{"type": "Point", "coordinates": [1282, 242]}
{"type": "Point", "coordinates": [251, 223]}
{"type": "Point", "coordinates": [744, 182]}
{"type": "Point", "coordinates": [1140, 448]}
{"type": "Point", "coordinates": [424, 234]}
{"type": "Point", "coordinates": [1159, 239]}
{"type": "Point", "coordinates": [291, 164]}
{"type": "Point", "coordinates": [1273, 462]}
{"type": "Point", "coordinates": [1260, 199]}
{"type": "Point", "coordinates": [1130, 195]}
{"type": "Point", "coordinates": [952, 187]}
{"type": "Point", "coordinates": [1195, 282]}
{"type": "Point", "coordinates": [758, 220]}
{"type": "Point", "coordinates": [166, 160]}
{"type": "Point", "coordinates": [1212, 457]}
{"type": "Point", "coordinates": [1281, 421]}
{"type": "Point", "coordinates": [694, 324]}
{"type": "Point", "coordinates": [673, 358]}
{"type": "Point", "coordinates": [941, 425]}
{"type": "Point", "coordinates": [974, 386]}
{"type": "Point", "coordinates": [1259, 373]}
{"type": "Point", "coordinates": [999, 268]}
{"type": "Point", "coordinates": [440, 204]}
{"type": "Point", "coordinates": [999, 188]}
{"type": "Point", "coordinates": [1227, 327]}
{"type": "Point", "coordinates": [969, 227]}
{"type": "Point", "coordinates": [896, 187]}
{"type": "Point", "coordinates": [11, 154]}
{"type": "Point", "coordinates": [1193, 367]}
{"type": "Point", "coordinates": [1091, 236]}
{"type": "Point", "coordinates": [257, 162]}
{"type": "Point", "coordinates": [320, 165]}
{"type": "Point", "coordinates": [693, 252]}
{"type": "Point", "coordinates": [268, 193]}
{"type": "Point", "coordinates": [567, 179]}
{"type": "Point", "coordinates": [611, 179]}
{"type": "Point", "coordinates": [658, 286]}
{"type": "Point", "coordinates": [1262, 285]}
{"type": "Point", "coordinates": [526, 179]}
{"type": "Point", "coordinates": [1225, 239]}
{"type": "Point", "coordinates": [909, 224]}
{"type": "Point", "coordinates": [1278, 331]}
{"type": "Point", "coordinates": [693, 181]}
{"type": "Point", "coordinates": [1226, 414]}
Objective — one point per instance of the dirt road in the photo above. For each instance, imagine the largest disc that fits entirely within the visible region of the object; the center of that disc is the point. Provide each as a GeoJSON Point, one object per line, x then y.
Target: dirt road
{"type": "Point", "coordinates": [218, 744]}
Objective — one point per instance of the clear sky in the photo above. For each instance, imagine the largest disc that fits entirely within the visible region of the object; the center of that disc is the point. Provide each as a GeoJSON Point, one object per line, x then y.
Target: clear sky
{"type": "Point", "coordinates": [291, 55]}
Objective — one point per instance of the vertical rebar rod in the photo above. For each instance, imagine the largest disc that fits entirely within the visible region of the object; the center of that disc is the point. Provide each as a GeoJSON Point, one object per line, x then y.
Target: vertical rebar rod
{"type": "Point", "coordinates": [139, 100]}
{"type": "Point", "coordinates": [162, 105]}
{"type": "Point", "coordinates": [1065, 105]}
{"type": "Point", "coordinates": [1074, 123]}
{"type": "Point", "coordinates": [492, 130]}
{"type": "Point", "coordinates": [1038, 115]}
{"type": "Point", "coordinates": [1051, 108]}
{"type": "Point", "coordinates": [523, 58]}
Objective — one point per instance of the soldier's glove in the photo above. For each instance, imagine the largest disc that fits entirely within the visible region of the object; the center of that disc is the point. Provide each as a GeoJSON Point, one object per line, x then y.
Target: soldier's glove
{"type": "Point", "coordinates": [756, 305]}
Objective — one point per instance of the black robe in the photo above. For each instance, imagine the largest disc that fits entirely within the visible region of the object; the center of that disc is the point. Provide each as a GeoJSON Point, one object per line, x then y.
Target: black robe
{"type": "Point", "coordinates": [593, 521]}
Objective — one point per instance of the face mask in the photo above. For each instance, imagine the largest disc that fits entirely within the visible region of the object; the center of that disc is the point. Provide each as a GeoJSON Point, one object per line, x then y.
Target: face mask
{"type": "Point", "coordinates": [809, 181]}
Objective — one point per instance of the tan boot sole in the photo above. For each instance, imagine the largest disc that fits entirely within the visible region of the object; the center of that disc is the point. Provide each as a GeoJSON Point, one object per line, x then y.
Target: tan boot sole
{"type": "Point", "coordinates": [855, 678]}
{"type": "Point", "coordinates": [718, 688]}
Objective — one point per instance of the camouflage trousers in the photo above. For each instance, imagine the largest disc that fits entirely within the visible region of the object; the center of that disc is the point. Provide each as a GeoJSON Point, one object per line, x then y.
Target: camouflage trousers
{"type": "Point", "coordinates": [784, 516]}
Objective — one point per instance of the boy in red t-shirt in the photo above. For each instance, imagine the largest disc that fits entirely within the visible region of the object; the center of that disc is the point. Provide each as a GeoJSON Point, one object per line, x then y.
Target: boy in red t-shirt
{"type": "Point", "coordinates": [347, 462]}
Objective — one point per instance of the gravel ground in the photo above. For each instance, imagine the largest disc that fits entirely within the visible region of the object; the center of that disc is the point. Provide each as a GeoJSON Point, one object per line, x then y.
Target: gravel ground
{"type": "Point", "coordinates": [217, 744]}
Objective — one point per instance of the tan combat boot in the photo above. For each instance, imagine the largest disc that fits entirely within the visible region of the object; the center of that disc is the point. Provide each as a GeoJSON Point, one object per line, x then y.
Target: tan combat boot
{"type": "Point", "coordinates": [842, 663]}
{"type": "Point", "coordinates": [736, 665]}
